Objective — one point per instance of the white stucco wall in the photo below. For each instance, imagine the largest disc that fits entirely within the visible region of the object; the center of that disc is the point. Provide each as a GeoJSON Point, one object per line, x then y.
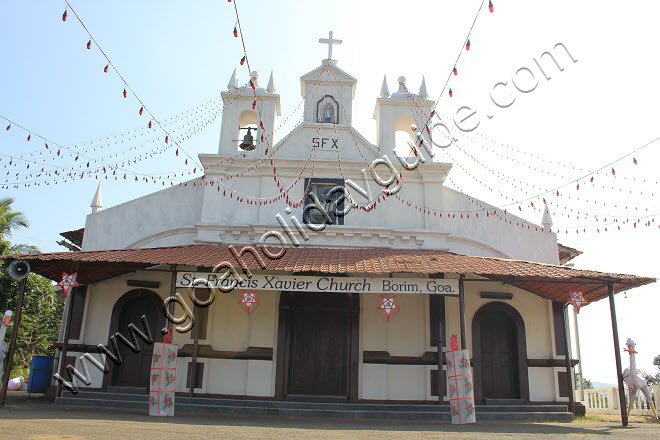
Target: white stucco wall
{"type": "Point", "coordinates": [407, 334]}
{"type": "Point", "coordinates": [229, 328]}
{"type": "Point", "coordinates": [199, 213]}
{"type": "Point", "coordinates": [169, 214]}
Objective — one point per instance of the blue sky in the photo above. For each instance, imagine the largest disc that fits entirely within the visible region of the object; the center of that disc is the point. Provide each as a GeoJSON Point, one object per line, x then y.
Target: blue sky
{"type": "Point", "coordinates": [177, 55]}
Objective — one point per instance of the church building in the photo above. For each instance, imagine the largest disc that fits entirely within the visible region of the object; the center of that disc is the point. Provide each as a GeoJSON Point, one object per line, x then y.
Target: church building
{"type": "Point", "coordinates": [319, 273]}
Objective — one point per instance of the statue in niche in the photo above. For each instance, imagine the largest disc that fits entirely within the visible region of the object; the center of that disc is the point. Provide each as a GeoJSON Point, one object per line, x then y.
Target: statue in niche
{"type": "Point", "coordinates": [327, 110]}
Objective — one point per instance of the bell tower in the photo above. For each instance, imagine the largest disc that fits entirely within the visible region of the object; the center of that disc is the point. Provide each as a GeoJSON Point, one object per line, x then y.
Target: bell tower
{"type": "Point", "coordinates": [399, 112]}
{"type": "Point", "coordinates": [246, 109]}
{"type": "Point", "coordinates": [328, 91]}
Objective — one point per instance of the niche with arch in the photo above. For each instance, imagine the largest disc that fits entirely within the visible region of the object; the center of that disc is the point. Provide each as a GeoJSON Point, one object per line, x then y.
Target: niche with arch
{"type": "Point", "coordinates": [327, 110]}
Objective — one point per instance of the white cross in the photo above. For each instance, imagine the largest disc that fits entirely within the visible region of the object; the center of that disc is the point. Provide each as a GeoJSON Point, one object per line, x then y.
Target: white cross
{"type": "Point", "coordinates": [329, 41]}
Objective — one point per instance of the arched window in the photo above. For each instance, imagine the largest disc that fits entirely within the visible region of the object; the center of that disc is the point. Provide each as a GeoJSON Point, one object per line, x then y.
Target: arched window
{"type": "Point", "coordinates": [327, 110]}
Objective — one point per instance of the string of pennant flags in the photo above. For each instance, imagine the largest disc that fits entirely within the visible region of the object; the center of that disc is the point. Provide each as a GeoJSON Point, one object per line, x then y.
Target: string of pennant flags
{"type": "Point", "coordinates": [109, 141]}
{"type": "Point", "coordinates": [129, 151]}
{"type": "Point", "coordinates": [36, 172]}
{"type": "Point", "coordinates": [172, 139]}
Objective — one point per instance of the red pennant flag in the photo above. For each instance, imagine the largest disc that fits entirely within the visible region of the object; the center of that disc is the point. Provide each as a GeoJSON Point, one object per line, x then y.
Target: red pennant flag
{"type": "Point", "coordinates": [634, 161]}
{"type": "Point", "coordinates": [29, 137]}
{"type": "Point", "coordinates": [490, 5]}
{"type": "Point", "coordinates": [124, 93]}
{"type": "Point", "coordinates": [89, 44]}
{"type": "Point", "coordinates": [64, 15]}
{"type": "Point", "coordinates": [141, 110]}
{"type": "Point", "coordinates": [167, 139]}
{"type": "Point", "coordinates": [149, 124]}
{"type": "Point", "coordinates": [455, 71]}
{"type": "Point", "coordinates": [243, 60]}
{"type": "Point", "coordinates": [105, 69]}
{"type": "Point", "coordinates": [235, 32]}
{"type": "Point", "coordinates": [467, 45]}
{"type": "Point", "coordinates": [8, 127]}
{"type": "Point", "coordinates": [451, 93]}
{"type": "Point", "coordinates": [254, 105]}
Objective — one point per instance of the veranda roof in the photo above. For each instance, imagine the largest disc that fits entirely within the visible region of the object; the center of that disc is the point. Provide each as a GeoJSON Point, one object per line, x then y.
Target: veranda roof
{"type": "Point", "coordinates": [546, 280]}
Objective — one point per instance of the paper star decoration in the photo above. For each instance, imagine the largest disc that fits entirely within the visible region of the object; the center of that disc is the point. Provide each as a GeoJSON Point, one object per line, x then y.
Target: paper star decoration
{"type": "Point", "coordinates": [577, 299]}
{"type": "Point", "coordinates": [68, 281]}
{"type": "Point", "coordinates": [388, 304]}
{"type": "Point", "coordinates": [250, 301]}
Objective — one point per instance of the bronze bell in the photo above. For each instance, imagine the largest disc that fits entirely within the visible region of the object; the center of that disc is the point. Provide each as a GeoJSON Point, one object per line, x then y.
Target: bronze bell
{"type": "Point", "coordinates": [248, 141]}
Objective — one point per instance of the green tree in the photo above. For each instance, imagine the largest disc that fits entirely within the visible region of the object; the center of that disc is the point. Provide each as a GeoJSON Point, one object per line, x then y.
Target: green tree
{"type": "Point", "coordinates": [654, 379]}
{"type": "Point", "coordinates": [42, 310]}
{"type": "Point", "coordinates": [10, 220]}
{"type": "Point", "coordinates": [586, 382]}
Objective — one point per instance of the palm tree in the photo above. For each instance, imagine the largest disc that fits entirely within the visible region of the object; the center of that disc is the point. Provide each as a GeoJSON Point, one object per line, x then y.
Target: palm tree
{"type": "Point", "coordinates": [10, 220]}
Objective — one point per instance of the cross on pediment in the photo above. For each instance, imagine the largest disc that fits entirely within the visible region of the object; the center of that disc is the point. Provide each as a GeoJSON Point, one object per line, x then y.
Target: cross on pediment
{"type": "Point", "coordinates": [329, 41]}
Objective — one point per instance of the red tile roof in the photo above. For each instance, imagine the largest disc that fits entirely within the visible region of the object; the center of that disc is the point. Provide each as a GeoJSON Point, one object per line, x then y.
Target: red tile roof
{"type": "Point", "coordinates": [546, 280]}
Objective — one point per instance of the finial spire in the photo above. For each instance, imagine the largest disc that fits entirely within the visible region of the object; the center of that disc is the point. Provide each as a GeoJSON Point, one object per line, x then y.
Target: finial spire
{"type": "Point", "coordinates": [402, 85]}
{"type": "Point", "coordinates": [329, 41]}
{"type": "Point", "coordinates": [271, 84]}
{"type": "Point", "coordinates": [232, 81]}
{"type": "Point", "coordinates": [97, 202]}
{"type": "Point", "coordinates": [547, 219]}
{"type": "Point", "coordinates": [384, 90]}
{"type": "Point", "coordinates": [422, 89]}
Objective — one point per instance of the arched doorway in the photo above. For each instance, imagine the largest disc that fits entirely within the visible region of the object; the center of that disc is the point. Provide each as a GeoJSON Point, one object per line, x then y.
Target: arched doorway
{"type": "Point", "coordinates": [129, 309]}
{"type": "Point", "coordinates": [500, 353]}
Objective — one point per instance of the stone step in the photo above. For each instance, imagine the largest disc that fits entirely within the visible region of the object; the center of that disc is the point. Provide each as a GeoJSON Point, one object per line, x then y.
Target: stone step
{"type": "Point", "coordinates": [82, 394]}
{"type": "Point", "coordinates": [507, 402]}
{"type": "Point", "coordinates": [127, 390]}
{"type": "Point", "coordinates": [315, 399]}
{"type": "Point", "coordinates": [308, 409]}
{"type": "Point", "coordinates": [100, 395]}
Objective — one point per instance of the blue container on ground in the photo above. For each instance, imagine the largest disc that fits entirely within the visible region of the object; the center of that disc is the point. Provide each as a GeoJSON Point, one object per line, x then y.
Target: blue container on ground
{"type": "Point", "coordinates": [40, 374]}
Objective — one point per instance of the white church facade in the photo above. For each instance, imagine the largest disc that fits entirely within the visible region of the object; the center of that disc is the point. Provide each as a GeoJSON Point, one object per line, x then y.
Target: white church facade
{"type": "Point", "coordinates": [320, 325]}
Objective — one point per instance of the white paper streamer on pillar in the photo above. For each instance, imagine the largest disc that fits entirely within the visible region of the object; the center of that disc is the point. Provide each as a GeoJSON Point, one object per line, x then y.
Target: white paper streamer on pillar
{"type": "Point", "coordinates": [460, 385]}
{"type": "Point", "coordinates": [162, 380]}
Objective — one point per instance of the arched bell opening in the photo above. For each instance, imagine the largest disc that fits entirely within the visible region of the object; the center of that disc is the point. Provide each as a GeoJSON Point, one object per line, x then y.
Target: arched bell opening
{"type": "Point", "coordinates": [248, 131]}
{"type": "Point", "coordinates": [404, 136]}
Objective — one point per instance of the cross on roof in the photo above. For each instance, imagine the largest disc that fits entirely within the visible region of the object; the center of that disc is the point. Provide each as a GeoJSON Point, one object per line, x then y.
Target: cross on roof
{"type": "Point", "coordinates": [329, 41]}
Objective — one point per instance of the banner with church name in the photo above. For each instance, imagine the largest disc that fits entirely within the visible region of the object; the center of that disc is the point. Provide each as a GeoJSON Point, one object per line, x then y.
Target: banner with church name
{"type": "Point", "coordinates": [329, 284]}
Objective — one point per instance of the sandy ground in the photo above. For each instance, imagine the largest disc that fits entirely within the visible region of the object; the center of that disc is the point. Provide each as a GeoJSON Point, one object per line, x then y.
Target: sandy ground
{"type": "Point", "coordinates": [29, 418]}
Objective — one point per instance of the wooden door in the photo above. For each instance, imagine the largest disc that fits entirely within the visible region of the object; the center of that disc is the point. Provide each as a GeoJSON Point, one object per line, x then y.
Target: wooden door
{"type": "Point", "coordinates": [134, 370]}
{"type": "Point", "coordinates": [318, 347]}
{"type": "Point", "coordinates": [499, 363]}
